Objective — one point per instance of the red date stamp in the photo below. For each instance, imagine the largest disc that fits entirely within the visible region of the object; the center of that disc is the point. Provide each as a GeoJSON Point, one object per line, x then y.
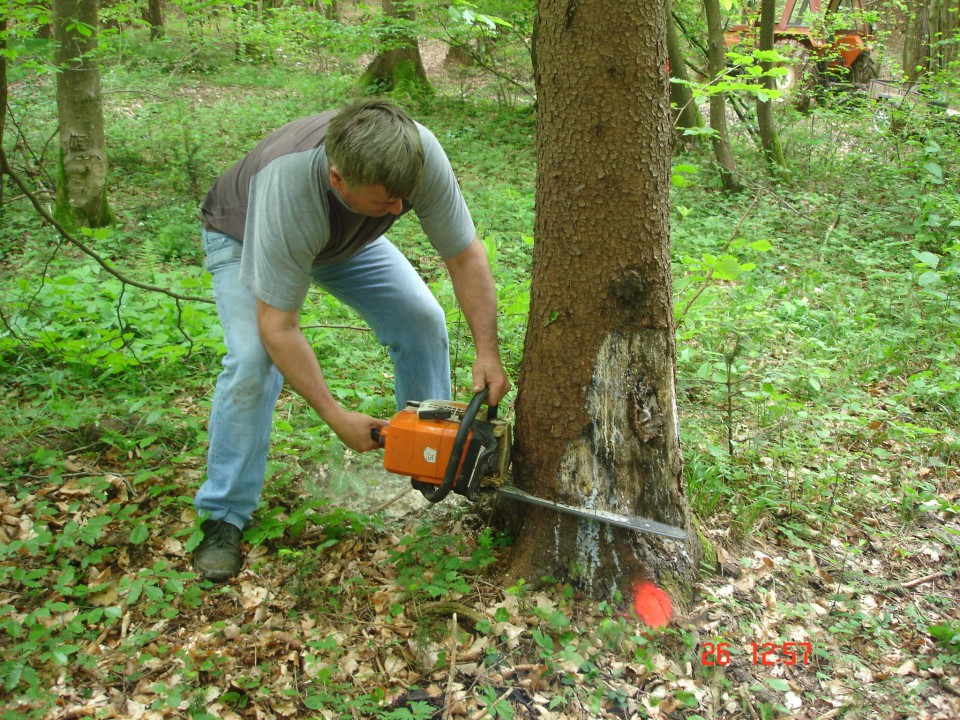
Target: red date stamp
{"type": "Point", "coordinates": [767, 653]}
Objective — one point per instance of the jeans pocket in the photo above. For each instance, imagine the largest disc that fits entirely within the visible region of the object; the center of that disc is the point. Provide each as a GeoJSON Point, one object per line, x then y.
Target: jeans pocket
{"type": "Point", "coordinates": [222, 250]}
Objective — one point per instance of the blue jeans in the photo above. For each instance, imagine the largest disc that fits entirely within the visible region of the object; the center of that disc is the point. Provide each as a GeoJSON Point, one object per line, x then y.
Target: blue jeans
{"type": "Point", "coordinates": [382, 286]}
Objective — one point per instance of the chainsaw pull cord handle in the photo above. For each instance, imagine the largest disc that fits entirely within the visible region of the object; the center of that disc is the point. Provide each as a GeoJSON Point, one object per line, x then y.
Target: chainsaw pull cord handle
{"type": "Point", "coordinates": [456, 452]}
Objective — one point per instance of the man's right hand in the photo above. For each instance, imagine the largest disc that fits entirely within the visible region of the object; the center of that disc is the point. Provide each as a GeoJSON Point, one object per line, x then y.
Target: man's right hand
{"type": "Point", "coordinates": [354, 428]}
{"type": "Point", "coordinates": [293, 356]}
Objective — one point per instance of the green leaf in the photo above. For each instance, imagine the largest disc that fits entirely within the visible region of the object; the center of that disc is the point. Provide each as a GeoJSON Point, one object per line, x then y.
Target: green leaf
{"type": "Point", "coordinates": [139, 534]}
{"type": "Point", "coordinates": [761, 245]}
{"type": "Point", "coordinates": [928, 278]}
{"type": "Point", "coordinates": [927, 258]}
{"type": "Point", "coordinates": [935, 171]}
{"type": "Point", "coordinates": [778, 684]}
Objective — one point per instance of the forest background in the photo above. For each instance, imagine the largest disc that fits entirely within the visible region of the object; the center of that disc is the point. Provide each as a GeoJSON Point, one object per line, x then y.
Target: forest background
{"type": "Point", "coordinates": [818, 380]}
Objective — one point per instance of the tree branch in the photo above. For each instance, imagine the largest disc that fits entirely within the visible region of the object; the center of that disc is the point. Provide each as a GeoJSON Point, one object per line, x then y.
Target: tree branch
{"type": "Point", "coordinates": [5, 169]}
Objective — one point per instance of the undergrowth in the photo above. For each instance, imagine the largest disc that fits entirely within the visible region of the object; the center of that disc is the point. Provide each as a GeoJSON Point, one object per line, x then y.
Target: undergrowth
{"type": "Point", "coordinates": [818, 383]}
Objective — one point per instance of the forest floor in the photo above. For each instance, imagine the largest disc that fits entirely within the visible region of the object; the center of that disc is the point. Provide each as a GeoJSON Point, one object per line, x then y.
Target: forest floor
{"type": "Point", "coordinates": [339, 616]}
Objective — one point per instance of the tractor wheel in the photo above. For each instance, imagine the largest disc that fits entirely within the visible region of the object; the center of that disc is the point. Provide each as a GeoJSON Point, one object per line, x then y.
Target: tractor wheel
{"type": "Point", "coordinates": [802, 74]}
{"type": "Point", "coordinates": [864, 69]}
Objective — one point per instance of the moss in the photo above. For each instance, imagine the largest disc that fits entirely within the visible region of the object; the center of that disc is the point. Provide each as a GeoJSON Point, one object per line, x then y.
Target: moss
{"type": "Point", "coordinates": [708, 553]}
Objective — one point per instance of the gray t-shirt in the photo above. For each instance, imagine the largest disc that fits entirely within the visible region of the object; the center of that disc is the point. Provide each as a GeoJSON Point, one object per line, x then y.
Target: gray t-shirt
{"type": "Point", "coordinates": [278, 202]}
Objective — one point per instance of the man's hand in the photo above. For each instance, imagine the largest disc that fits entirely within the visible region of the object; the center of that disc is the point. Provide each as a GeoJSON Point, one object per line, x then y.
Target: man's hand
{"type": "Point", "coordinates": [293, 356]}
{"type": "Point", "coordinates": [490, 373]}
{"type": "Point", "coordinates": [354, 428]}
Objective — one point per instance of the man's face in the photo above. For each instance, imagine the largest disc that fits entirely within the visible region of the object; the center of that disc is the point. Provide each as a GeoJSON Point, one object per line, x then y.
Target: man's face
{"type": "Point", "coordinates": [371, 200]}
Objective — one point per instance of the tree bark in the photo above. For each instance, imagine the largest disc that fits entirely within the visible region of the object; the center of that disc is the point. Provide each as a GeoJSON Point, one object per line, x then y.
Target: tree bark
{"type": "Point", "coordinates": [769, 138]}
{"type": "Point", "coordinates": [3, 106]}
{"type": "Point", "coordinates": [930, 39]}
{"type": "Point", "coordinates": [596, 409]}
{"type": "Point", "coordinates": [153, 14]}
{"type": "Point", "coordinates": [686, 114]}
{"type": "Point", "coordinates": [82, 177]}
{"type": "Point", "coordinates": [400, 66]}
{"type": "Point", "coordinates": [718, 101]}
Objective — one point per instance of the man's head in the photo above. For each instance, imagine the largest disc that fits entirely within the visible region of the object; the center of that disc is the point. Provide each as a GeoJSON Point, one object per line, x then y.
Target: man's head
{"type": "Point", "coordinates": [373, 143]}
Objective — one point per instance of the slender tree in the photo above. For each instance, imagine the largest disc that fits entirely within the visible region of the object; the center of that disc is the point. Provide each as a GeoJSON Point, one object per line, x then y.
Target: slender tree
{"type": "Point", "coordinates": [769, 137]}
{"type": "Point", "coordinates": [718, 101]}
{"type": "Point", "coordinates": [931, 38]}
{"type": "Point", "coordinates": [686, 114]}
{"type": "Point", "coordinates": [596, 410]}
{"type": "Point", "coordinates": [153, 14]}
{"type": "Point", "coordinates": [82, 177]}
{"type": "Point", "coordinates": [399, 66]}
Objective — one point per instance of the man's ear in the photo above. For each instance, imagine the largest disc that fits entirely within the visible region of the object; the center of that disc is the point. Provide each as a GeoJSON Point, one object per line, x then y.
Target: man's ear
{"type": "Point", "coordinates": [336, 179]}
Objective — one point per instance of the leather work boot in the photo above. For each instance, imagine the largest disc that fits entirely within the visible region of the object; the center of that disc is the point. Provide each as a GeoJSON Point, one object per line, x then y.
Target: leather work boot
{"type": "Point", "coordinates": [218, 555]}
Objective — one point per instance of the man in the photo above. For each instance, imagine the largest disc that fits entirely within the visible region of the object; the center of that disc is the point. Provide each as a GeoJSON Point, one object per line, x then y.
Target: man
{"type": "Point", "coordinates": [310, 205]}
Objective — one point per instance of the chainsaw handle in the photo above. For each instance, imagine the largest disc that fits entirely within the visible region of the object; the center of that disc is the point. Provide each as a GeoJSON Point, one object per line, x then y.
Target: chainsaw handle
{"type": "Point", "coordinates": [377, 436]}
{"type": "Point", "coordinates": [456, 453]}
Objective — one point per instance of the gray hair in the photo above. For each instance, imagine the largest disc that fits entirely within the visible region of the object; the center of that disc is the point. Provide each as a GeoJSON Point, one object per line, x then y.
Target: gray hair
{"type": "Point", "coordinates": [374, 142]}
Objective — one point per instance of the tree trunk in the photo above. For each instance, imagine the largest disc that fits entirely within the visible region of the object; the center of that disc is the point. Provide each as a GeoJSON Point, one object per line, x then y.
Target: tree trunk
{"type": "Point", "coordinates": [930, 39]}
{"type": "Point", "coordinates": [769, 138]}
{"type": "Point", "coordinates": [3, 106]}
{"type": "Point", "coordinates": [718, 101]}
{"type": "Point", "coordinates": [153, 14]}
{"type": "Point", "coordinates": [596, 410]}
{"type": "Point", "coordinates": [82, 177]}
{"type": "Point", "coordinates": [686, 114]}
{"type": "Point", "coordinates": [330, 9]}
{"type": "Point", "coordinates": [400, 66]}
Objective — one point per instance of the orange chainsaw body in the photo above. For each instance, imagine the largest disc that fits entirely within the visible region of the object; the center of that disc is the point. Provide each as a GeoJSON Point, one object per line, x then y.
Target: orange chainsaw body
{"type": "Point", "coordinates": [421, 442]}
{"type": "Point", "coordinates": [419, 448]}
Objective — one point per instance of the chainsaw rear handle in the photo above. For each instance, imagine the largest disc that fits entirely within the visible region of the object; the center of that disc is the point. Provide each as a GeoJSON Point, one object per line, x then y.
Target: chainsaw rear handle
{"type": "Point", "coordinates": [456, 453]}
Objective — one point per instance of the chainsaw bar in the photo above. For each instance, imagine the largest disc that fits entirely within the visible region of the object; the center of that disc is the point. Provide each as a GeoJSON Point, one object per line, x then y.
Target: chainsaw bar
{"type": "Point", "coordinates": [639, 524]}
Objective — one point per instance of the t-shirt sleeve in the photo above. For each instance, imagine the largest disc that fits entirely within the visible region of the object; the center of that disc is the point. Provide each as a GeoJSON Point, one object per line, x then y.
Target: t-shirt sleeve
{"type": "Point", "coordinates": [286, 229]}
{"type": "Point", "coordinates": [438, 202]}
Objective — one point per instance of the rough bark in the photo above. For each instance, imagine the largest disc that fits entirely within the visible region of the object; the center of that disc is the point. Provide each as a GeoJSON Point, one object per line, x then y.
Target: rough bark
{"type": "Point", "coordinates": [930, 39]}
{"type": "Point", "coordinates": [400, 67]}
{"type": "Point", "coordinates": [686, 114]}
{"type": "Point", "coordinates": [596, 408]}
{"type": "Point", "coordinates": [718, 101]}
{"type": "Point", "coordinates": [769, 137]}
{"type": "Point", "coordinates": [82, 177]}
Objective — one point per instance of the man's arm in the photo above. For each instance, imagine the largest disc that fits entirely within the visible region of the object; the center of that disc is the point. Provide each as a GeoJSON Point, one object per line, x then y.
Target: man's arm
{"type": "Point", "coordinates": [476, 293]}
{"type": "Point", "coordinates": [281, 335]}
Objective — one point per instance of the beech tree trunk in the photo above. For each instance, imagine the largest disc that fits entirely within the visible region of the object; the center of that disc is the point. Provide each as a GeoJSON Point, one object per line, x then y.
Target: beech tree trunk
{"type": "Point", "coordinates": [400, 66]}
{"type": "Point", "coordinates": [82, 176]}
{"type": "Point", "coordinates": [718, 101]}
{"type": "Point", "coordinates": [931, 37]}
{"type": "Point", "coordinates": [686, 114]}
{"type": "Point", "coordinates": [153, 14]}
{"type": "Point", "coordinates": [769, 138]}
{"type": "Point", "coordinates": [596, 409]}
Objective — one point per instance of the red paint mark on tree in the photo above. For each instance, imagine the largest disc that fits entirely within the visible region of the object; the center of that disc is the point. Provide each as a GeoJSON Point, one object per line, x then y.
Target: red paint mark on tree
{"type": "Point", "coordinates": [652, 604]}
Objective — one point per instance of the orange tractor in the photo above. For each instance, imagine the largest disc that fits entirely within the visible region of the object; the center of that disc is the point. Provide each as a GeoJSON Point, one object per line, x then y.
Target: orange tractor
{"type": "Point", "coordinates": [820, 39]}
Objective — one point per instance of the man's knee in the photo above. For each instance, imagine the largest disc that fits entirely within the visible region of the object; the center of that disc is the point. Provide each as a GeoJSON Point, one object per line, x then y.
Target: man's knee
{"type": "Point", "coordinates": [250, 374]}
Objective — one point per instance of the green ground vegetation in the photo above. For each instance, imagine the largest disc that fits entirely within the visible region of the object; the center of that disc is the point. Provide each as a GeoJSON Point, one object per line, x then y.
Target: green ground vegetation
{"type": "Point", "coordinates": [819, 389]}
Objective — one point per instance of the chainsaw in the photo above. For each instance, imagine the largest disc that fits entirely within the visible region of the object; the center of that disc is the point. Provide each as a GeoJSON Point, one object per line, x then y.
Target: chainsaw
{"type": "Point", "coordinates": [445, 446]}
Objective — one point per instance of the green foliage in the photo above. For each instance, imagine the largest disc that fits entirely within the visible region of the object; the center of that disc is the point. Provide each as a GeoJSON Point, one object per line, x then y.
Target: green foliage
{"type": "Point", "coordinates": [818, 354]}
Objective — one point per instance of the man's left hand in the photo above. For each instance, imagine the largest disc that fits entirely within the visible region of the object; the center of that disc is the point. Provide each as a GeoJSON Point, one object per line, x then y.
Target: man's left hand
{"type": "Point", "coordinates": [491, 374]}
